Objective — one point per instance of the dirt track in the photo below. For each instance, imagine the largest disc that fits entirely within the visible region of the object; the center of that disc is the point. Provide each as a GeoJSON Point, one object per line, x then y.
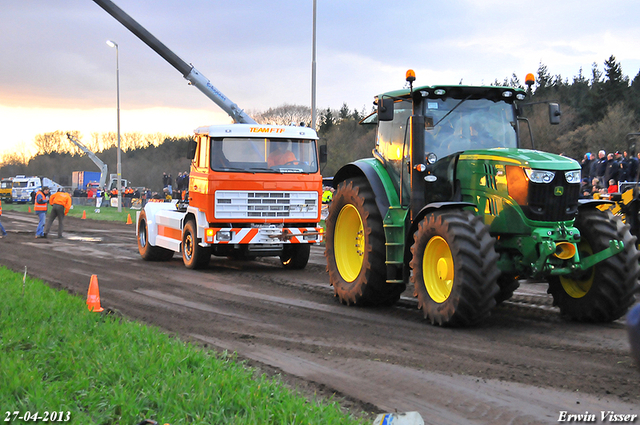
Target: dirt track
{"type": "Point", "coordinates": [522, 366]}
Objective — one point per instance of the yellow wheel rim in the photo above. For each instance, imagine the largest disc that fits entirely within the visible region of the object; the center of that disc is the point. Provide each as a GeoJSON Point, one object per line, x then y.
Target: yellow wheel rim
{"type": "Point", "coordinates": [437, 269]}
{"type": "Point", "coordinates": [348, 243]}
{"type": "Point", "coordinates": [579, 287]}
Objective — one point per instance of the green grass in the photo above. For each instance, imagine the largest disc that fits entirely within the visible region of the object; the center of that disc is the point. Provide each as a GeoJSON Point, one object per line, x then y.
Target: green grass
{"type": "Point", "coordinates": [106, 213]}
{"type": "Point", "coordinates": [55, 355]}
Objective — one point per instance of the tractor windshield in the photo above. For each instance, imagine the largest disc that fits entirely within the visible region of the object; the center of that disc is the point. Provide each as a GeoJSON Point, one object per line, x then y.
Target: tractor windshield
{"type": "Point", "coordinates": [263, 155]}
{"type": "Point", "coordinates": [455, 125]}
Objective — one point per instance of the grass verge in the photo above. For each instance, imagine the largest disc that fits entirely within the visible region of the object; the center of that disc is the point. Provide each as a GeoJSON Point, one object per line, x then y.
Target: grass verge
{"type": "Point", "coordinates": [106, 213]}
{"type": "Point", "coordinates": [56, 356]}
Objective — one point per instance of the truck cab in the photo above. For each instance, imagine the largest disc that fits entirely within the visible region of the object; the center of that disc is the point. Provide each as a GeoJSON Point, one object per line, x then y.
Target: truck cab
{"type": "Point", "coordinates": [254, 190]}
{"type": "Point", "coordinates": [22, 187]}
{"type": "Point", "coordinates": [5, 189]}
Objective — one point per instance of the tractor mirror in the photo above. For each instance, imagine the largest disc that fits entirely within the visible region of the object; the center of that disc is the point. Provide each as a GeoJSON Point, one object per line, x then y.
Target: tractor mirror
{"type": "Point", "coordinates": [193, 146]}
{"type": "Point", "coordinates": [428, 122]}
{"type": "Point", "coordinates": [554, 113]}
{"type": "Point", "coordinates": [385, 109]}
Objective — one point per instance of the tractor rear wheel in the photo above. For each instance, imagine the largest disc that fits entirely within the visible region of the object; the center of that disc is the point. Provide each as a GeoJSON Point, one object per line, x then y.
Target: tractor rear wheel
{"type": "Point", "coordinates": [147, 251]}
{"type": "Point", "coordinates": [604, 292]}
{"type": "Point", "coordinates": [454, 268]}
{"type": "Point", "coordinates": [355, 247]}
{"type": "Point", "coordinates": [193, 255]}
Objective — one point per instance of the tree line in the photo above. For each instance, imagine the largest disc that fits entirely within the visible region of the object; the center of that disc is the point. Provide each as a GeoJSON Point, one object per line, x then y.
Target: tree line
{"type": "Point", "coordinates": [144, 157]}
{"type": "Point", "coordinates": [598, 111]}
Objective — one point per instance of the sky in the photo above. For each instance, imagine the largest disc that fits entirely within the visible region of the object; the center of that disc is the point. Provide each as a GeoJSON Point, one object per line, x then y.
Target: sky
{"type": "Point", "coordinates": [58, 73]}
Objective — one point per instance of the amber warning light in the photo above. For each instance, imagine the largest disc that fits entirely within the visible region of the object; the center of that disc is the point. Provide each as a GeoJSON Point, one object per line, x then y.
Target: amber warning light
{"type": "Point", "coordinates": [411, 76]}
{"type": "Point", "coordinates": [529, 79]}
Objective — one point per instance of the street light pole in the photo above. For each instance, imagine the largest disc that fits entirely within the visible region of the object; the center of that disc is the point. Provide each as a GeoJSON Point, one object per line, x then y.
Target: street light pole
{"type": "Point", "coordinates": [119, 155]}
{"type": "Point", "coordinates": [313, 71]}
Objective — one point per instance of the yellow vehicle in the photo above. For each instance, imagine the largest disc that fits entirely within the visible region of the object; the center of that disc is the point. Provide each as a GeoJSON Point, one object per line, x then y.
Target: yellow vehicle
{"type": "Point", "coordinates": [5, 189]}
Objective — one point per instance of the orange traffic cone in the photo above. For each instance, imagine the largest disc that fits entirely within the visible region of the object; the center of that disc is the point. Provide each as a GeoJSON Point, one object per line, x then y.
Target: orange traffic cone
{"type": "Point", "coordinates": [84, 214]}
{"type": "Point", "coordinates": [129, 219]}
{"type": "Point", "coordinates": [29, 209]}
{"type": "Point", "coordinates": [93, 296]}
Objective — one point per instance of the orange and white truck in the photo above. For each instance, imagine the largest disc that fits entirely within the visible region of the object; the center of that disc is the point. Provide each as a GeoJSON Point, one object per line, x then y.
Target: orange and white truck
{"type": "Point", "coordinates": [254, 190]}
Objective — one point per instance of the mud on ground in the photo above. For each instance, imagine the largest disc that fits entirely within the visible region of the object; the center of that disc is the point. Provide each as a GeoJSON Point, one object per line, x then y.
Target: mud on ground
{"type": "Point", "coordinates": [524, 365]}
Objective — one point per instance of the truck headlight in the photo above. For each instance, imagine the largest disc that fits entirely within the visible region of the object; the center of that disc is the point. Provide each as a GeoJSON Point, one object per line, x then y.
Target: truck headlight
{"type": "Point", "coordinates": [224, 235]}
{"type": "Point", "coordinates": [572, 176]}
{"type": "Point", "coordinates": [541, 176]}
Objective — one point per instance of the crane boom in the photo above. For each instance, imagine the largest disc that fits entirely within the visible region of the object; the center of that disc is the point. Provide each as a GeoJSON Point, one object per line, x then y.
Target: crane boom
{"type": "Point", "coordinates": [188, 71]}
{"type": "Point", "coordinates": [101, 165]}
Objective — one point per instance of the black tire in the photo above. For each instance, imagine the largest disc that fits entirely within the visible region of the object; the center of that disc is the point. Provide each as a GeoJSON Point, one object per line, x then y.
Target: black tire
{"type": "Point", "coordinates": [355, 247]}
{"type": "Point", "coordinates": [295, 256]}
{"type": "Point", "coordinates": [606, 291]}
{"type": "Point", "coordinates": [507, 284]}
{"type": "Point", "coordinates": [455, 268]}
{"type": "Point", "coordinates": [147, 251]}
{"type": "Point", "coordinates": [193, 255]}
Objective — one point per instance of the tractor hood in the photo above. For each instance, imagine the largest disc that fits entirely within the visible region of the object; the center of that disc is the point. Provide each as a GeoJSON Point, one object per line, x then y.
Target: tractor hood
{"type": "Point", "coordinates": [523, 157]}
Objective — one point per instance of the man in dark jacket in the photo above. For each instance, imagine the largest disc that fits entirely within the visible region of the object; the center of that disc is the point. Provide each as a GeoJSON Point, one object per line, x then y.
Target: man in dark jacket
{"type": "Point", "coordinates": [612, 169]}
{"type": "Point", "coordinates": [601, 165]}
{"type": "Point", "coordinates": [630, 163]}
{"type": "Point", "coordinates": [585, 165]}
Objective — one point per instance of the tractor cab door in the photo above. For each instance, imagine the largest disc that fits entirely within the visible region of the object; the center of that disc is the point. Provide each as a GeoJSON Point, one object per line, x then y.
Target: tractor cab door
{"type": "Point", "coordinates": [392, 146]}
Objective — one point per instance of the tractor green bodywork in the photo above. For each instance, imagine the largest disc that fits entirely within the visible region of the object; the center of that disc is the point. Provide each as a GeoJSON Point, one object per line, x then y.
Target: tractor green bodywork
{"type": "Point", "coordinates": [459, 147]}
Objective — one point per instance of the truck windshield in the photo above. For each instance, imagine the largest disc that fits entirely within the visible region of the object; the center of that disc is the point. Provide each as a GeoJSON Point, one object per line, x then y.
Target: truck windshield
{"type": "Point", "coordinates": [263, 155]}
{"type": "Point", "coordinates": [455, 125]}
{"type": "Point", "coordinates": [20, 184]}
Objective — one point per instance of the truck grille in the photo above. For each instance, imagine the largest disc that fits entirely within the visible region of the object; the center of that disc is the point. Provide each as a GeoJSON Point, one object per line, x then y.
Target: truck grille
{"type": "Point", "coordinates": [544, 204]}
{"type": "Point", "coordinates": [237, 205]}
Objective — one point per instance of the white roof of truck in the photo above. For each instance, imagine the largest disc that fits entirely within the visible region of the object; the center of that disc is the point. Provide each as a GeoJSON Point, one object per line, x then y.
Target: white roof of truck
{"type": "Point", "coordinates": [258, 130]}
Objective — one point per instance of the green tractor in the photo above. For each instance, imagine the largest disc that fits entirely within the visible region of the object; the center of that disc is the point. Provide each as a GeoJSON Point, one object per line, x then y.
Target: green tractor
{"type": "Point", "coordinates": [453, 204]}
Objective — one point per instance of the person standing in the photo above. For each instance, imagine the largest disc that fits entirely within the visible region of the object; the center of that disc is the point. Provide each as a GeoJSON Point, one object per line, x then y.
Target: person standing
{"type": "Point", "coordinates": [60, 205]}
{"type": "Point", "coordinates": [2, 231]}
{"type": "Point", "coordinates": [585, 165]}
{"type": "Point", "coordinates": [40, 204]}
{"type": "Point", "coordinates": [170, 184]}
{"type": "Point", "coordinates": [611, 170]}
{"type": "Point", "coordinates": [601, 165]}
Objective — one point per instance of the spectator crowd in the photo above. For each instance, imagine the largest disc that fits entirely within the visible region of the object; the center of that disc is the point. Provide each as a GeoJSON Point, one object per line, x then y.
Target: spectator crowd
{"type": "Point", "coordinates": [604, 173]}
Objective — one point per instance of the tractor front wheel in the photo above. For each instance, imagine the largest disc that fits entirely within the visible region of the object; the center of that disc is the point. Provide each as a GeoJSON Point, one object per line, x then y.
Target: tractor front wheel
{"type": "Point", "coordinates": [454, 268]}
{"type": "Point", "coordinates": [355, 247]}
{"type": "Point", "coordinates": [604, 292]}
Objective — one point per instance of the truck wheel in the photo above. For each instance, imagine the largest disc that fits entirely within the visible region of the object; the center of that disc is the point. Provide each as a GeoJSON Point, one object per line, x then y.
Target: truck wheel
{"type": "Point", "coordinates": [454, 268]}
{"type": "Point", "coordinates": [355, 247]}
{"type": "Point", "coordinates": [606, 291]}
{"type": "Point", "coordinates": [147, 251]}
{"type": "Point", "coordinates": [193, 255]}
{"type": "Point", "coordinates": [295, 256]}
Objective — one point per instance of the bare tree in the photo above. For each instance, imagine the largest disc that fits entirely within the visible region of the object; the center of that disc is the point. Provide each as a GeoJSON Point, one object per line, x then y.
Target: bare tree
{"type": "Point", "coordinates": [285, 115]}
{"type": "Point", "coordinates": [47, 143]}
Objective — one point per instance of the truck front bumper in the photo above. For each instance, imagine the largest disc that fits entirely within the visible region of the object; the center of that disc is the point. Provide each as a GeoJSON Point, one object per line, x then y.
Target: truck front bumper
{"type": "Point", "coordinates": [263, 235]}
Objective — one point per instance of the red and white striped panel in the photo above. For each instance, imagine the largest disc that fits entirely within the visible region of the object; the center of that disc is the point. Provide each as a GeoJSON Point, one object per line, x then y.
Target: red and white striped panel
{"type": "Point", "coordinates": [264, 235]}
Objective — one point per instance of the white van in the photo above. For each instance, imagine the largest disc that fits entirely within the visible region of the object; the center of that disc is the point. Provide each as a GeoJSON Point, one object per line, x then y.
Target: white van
{"type": "Point", "coordinates": [22, 187]}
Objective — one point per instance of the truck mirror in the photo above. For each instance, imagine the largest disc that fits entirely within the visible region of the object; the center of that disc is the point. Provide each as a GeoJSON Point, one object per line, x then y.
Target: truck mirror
{"type": "Point", "coordinates": [554, 113]}
{"type": "Point", "coordinates": [385, 109]}
{"type": "Point", "coordinates": [193, 146]}
{"type": "Point", "coordinates": [323, 154]}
